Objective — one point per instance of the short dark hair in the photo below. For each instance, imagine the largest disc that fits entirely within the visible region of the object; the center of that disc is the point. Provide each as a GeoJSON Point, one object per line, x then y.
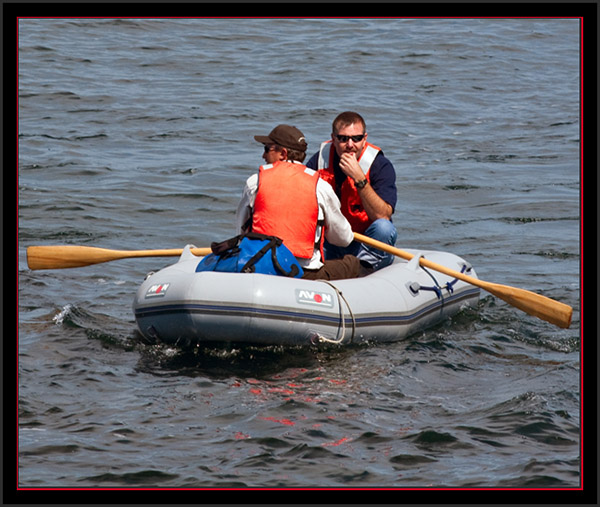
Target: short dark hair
{"type": "Point", "coordinates": [297, 155]}
{"type": "Point", "coordinates": [347, 118]}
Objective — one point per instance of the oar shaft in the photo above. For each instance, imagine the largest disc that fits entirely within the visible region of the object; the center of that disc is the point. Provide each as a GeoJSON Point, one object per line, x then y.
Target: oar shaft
{"type": "Point", "coordinates": [424, 262]}
{"type": "Point", "coordinates": [542, 307]}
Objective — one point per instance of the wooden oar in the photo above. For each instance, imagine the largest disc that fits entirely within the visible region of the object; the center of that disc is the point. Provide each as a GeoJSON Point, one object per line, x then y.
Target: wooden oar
{"type": "Point", "coordinates": [534, 304]}
{"type": "Point", "coordinates": [72, 256]}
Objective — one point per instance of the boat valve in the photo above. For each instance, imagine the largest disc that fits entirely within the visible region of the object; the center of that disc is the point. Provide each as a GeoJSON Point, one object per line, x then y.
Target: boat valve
{"type": "Point", "coordinates": [413, 288]}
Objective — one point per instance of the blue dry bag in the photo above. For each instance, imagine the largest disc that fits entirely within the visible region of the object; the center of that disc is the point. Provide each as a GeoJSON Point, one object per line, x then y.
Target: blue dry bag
{"type": "Point", "coordinates": [251, 253]}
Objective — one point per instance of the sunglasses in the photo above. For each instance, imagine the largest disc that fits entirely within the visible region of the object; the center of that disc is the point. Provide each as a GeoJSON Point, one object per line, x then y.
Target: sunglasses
{"type": "Point", "coordinates": [345, 139]}
{"type": "Point", "coordinates": [269, 148]}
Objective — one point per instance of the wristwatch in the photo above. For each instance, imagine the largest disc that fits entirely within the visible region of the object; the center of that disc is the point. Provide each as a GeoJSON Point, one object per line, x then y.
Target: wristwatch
{"type": "Point", "coordinates": [361, 184]}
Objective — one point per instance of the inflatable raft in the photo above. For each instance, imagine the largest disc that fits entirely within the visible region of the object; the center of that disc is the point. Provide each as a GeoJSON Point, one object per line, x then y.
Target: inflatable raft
{"type": "Point", "coordinates": [182, 307]}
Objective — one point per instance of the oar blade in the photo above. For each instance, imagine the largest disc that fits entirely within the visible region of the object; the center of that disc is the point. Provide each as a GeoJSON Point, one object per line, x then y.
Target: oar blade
{"type": "Point", "coordinates": [76, 256]}
{"type": "Point", "coordinates": [67, 256]}
{"type": "Point", "coordinates": [544, 308]}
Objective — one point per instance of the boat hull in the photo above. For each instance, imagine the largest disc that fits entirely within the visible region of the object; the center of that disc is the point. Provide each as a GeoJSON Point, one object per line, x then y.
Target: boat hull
{"type": "Point", "coordinates": [180, 307]}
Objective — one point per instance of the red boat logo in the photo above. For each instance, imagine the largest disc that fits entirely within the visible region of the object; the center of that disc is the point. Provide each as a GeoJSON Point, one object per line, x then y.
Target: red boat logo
{"type": "Point", "coordinates": [311, 297]}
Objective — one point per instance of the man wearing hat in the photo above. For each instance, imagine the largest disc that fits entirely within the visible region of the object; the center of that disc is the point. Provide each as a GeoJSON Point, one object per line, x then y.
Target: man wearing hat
{"type": "Point", "coordinates": [288, 200]}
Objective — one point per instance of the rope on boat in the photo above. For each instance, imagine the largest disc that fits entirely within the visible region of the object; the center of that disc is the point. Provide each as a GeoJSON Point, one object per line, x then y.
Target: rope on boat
{"type": "Point", "coordinates": [437, 288]}
{"type": "Point", "coordinates": [340, 297]}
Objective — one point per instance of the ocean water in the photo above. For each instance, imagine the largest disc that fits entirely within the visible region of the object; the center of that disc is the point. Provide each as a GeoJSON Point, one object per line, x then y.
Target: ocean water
{"type": "Point", "coordinates": [138, 134]}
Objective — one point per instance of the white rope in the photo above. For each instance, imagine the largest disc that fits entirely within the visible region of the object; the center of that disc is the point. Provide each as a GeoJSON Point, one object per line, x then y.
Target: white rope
{"type": "Point", "coordinates": [340, 297]}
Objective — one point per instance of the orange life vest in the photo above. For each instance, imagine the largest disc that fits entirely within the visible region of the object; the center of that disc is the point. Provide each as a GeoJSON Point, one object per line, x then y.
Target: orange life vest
{"type": "Point", "coordinates": [286, 206]}
{"type": "Point", "coordinates": [352, 207]}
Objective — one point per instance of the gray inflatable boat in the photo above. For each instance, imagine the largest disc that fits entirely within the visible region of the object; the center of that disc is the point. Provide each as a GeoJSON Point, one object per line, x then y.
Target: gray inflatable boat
{"type": "Point", "coordinates": [181, 307]}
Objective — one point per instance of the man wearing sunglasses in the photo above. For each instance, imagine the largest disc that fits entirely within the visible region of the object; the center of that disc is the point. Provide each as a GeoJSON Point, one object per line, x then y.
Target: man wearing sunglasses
{"type": "Point", "coordinates": [365, 182]}
{"type": "Point", "coordinates": [288, 200]}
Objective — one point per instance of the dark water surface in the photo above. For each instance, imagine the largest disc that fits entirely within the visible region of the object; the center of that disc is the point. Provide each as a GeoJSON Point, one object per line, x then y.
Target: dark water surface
{"type": "Point", "coordinates": [138, 134]}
